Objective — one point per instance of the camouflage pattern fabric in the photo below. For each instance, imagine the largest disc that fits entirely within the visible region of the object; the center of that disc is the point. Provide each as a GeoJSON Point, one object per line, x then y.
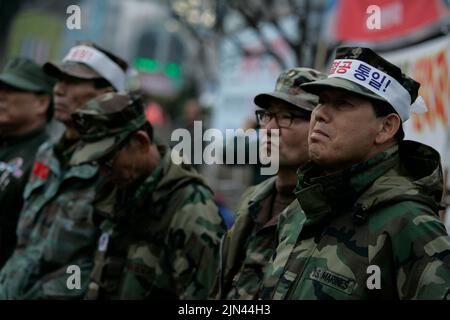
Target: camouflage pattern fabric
{"type": "Point", "coordinates": [104, 123]}
{"type": "Point", "coordinates": [16, 161]}
{"type": "Point", "coordinates": [247, 247]}
{"type": "Point", "coordinates": [288, 90]}
{"type": "Point", "coordinates": [160, 240]}
{"type": "Point", "coordinates": [382, 213]}
{"type": "Point", "coordinates": [55, 229]}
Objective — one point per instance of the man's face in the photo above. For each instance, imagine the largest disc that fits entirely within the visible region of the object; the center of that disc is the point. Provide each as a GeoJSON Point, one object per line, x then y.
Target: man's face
{"type": "Point", "coordinates": [18, 108]}
{"type": "Point", "coordinates": [293, 140]}
{"type": "Point", "coordinates": [70, 94]}
{"type": "Point", "coordinates": [126, 165]}
{"type": "Point", "coordinates": [342, 130]}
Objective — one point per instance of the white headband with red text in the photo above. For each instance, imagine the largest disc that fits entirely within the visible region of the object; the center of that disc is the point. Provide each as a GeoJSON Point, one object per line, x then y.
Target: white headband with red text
{"type": "Point", "coordinates": [100, 63]}
{"type": "Point", "coordinates": [379, 83]}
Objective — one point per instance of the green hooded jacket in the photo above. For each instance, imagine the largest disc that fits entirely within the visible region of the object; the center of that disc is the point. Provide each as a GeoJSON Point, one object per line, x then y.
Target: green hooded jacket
{"type": "Point", "coordinates": [368, 232]}
{"type": "Point", "coordinates": [56, 228]}
{"type": "Point", "coordinates": [159, 241]}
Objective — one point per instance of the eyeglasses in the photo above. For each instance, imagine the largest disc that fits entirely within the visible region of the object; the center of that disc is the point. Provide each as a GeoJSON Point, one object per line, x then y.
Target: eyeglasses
{"type": "Point", "coordinates": [283, 118]}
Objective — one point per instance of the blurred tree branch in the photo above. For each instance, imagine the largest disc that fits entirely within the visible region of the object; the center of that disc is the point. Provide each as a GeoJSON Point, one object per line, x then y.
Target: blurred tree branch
{"type": "Point", "coordinates": [253, 21]}
{"type": "Point", "coordinates": [305, 45]}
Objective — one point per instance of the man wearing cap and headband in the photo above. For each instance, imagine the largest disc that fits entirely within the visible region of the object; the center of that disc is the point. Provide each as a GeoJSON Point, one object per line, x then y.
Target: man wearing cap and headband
{"type": "Point", "coordinates": [160, 238]}
{"type": "Point", "coordinates": [25, 109]}
{"type": "Point", "coordinates": [368, 226]}
{"type": "Point", "coordinates": [56, 227]}
{"type": "Point", "coordinates": [249, 245]}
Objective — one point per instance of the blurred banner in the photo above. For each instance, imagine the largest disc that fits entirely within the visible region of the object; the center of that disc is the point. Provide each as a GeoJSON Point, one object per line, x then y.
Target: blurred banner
{"type": "Point", "coordinates": [398, 18]}
{"type": "Point", "coordinates": [429, 64]}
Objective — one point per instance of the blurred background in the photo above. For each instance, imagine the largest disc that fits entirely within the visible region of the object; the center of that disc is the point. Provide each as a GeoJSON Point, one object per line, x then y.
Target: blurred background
{"type": "Point", "coordinates": [207, 59]}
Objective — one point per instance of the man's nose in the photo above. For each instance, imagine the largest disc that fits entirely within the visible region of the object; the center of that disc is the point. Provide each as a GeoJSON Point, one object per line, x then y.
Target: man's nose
{"type": "Point", "coordinates": [59, 88]}
{"type": "Point", "coordinates": [321, 113]}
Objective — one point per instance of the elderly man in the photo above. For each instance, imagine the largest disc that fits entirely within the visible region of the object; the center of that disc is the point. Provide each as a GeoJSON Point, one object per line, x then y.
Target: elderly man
{"type": "Point", "coordinates": [56, 227]}
{"type": "Point", "coordinates": [161, 234]}
{"type": "Point", "coordinates": [368, 226]}
{"type": "Point", "coordinates": [249, 245]}
{"type": "Point", "coordinates": [25, 109]}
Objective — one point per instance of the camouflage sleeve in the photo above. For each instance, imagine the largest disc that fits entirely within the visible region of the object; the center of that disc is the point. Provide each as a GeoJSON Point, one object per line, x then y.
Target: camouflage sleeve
{"type": "Point", "coordinates": [22, 278]}
{"type": "Point", "coordinates": [70, 241]}
{"type": "Point", "coordinates": [230, 246]}
{"type": "Point", "coordinates": [16, 273]}
{"type": "Point", "coordinates": [64, 283]}
{"type": "Point", "coordinates": [193, 244]}
{"type": "Point", "coordinates": [421, 251]}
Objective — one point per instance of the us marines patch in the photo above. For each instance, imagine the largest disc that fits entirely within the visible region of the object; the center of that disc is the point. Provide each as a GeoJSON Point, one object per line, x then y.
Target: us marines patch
{"type": "Point", "coordinates": [333, 280]}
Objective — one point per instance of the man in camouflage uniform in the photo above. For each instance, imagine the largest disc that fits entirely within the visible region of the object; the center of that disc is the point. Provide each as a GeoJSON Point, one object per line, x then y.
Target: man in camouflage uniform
{"type": "Point", "coordinates": [161, 234]}
{"type": "Point", "coordinates": [367, 226]}
{"type": "Point", "coordinates": [25, 109]}
{"type": "Point", "coordinates": [56, 227]}
{"type": "Point", "coordinates": [249, 245]}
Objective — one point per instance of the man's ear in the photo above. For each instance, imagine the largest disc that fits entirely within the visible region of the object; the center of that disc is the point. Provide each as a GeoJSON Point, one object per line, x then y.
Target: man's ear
{"type": "Point", "coordinates": [389, 126]}
{"type": "Point", "coordinates": [142, 140]}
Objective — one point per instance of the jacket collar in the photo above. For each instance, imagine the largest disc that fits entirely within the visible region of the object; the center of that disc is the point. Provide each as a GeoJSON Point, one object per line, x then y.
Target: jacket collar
{"type": "Point", "coordinates": [321, 195]}
{"type": "Point", "coordinates": [264, 190]}
{"type": "Point", "coordinates": [6, 141]}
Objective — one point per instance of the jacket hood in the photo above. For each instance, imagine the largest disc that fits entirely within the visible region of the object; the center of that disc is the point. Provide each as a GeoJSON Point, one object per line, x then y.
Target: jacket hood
{"type": "Point", "coordinates": [407, 171]}
{"type": "Point", "coordinates": [169, 176]}
{"type": "Point", "coordinates": [418, 174]}
{"type": "Point", "coordinates": [166, 179]}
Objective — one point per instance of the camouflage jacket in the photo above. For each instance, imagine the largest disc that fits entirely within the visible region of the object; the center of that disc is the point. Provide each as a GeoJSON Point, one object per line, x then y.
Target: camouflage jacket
{"type": "Point", "coordinates": [55, 229]}
{"type": "Point", "coordinates": [246, 248]}
{"type": "Point", "coordinates": [159, 241]}
{"type": "Point", "coordinates": [16, 161]}
{"type": "Point", "coordinates": [369, 232]}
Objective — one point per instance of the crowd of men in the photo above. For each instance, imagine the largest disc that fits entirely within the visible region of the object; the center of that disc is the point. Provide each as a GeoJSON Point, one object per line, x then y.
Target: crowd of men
{"type": "Point", "coordinates": [353, 212]}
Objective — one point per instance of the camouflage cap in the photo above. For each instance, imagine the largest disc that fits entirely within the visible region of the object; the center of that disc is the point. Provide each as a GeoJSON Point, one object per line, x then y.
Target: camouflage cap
{"type": "Point", "coordinates": [77, 64]}
{"type": "Point", "coordinates": [287, 89]}
{"type": "Point", "coordinates": [25, 74]}
{"type": "Point", "coordinates": [367, 65]}
{"type": "Point", "coordinates": [104, 123]}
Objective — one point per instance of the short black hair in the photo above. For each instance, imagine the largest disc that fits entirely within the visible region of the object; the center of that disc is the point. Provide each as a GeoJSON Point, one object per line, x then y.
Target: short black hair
{"type": "Point", "coordinates": [383, 109]}
{"type": "Point", "coordinates": [148, 128]}
{"type": "Point", "coordinates": [101, 83]}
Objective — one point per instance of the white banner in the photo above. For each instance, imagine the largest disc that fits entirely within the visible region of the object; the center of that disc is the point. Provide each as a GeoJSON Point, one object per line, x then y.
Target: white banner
{"type": "Point", "coordinates": [429, 64]}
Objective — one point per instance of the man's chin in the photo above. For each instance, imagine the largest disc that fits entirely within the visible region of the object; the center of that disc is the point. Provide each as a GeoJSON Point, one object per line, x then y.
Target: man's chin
{"type": "Point", "coordinates": [316, 156]}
